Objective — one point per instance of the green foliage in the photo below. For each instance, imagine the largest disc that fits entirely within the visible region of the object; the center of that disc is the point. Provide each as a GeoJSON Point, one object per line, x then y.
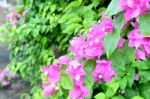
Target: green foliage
{"type": "Point", "coordinates": [144, 21]}
{"type": "Point", "coordinates": [66, 81]}
{"type": "Point", "coordinates": [89, 79]}
{"type": "Point", "coordinates": [111, 40]}
{"type": "Point", "coordinates": [145, 90]}
{"type": "Point", "coordinates": [100, 96]}
{"type": "Point", "coordinates": [113, 8]}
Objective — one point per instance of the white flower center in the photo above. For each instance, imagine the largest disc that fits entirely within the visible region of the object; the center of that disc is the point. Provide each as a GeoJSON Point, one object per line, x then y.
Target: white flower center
{"type": "Point", "coordinates": [46, 72]}
{"type": "Point", "coordinates": [91, 43]}
{"type": "Point", "coordinates": [56, 87]}
{"type": "Point", "coordinates": [96, 40]}
{"type": "Point", "coordinates": [100, 76]}
{"type": "Point", "coordinates": [77, 78]}
{"type": "Point", "coordinates": [53, 85]}
{"type": "Point", "coordinates": [103, 29]}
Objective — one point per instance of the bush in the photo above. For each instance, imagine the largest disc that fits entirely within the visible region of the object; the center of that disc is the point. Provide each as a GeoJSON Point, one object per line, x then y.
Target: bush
{"type": "Point", "coordinates": [109, 60]}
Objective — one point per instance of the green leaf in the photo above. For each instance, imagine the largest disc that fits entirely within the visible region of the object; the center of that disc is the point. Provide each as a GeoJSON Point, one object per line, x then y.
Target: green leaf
{"type": "Point", "coordinates": [70, 18]}
{"type": "Point", "coordinates": [118, 59]}
{"type": "Point", "coordinates": [100, 96]}
{"type": "Point", "coordinates": [97, 2]}
{"type": "Point", "coordinates": [67, 17]}
{"type": "Point", "coordinates": [115, 86]}
{"type": "Point", "coordinates": [110, 43]}
{"type": "Point", "coordinates": [110, 93]}
{"type": "Point", "coordinates": [130, 75]}
{"type": "Point", "coordinates": [38, 94]}
{"type": "Point", "coordinates": [44, 78]}
{"type": "Point", "coordinates": [73, 20]}
{"type": "Point", "coordinates": [89, 79]}
{"type": "Point", "coordinates": [130, 93]}
{"type": "Point", "coordinates": [55, 96]}
{"type": "Point", "coordinates": [118, 97]}
{"type": "Point", "coordinates": [129, 53]}
{"type": "Point", "coordinates": [113, 8]}
{"type": "Point", "coordinates": [144, 22]}
{"type": "Point", "coordinates": [88, 23]}
{"type": "Point", "coordinates": [119, 22]}
{"type": "Point", "coordinates": [112, 88]}
{"type": "Point", "coordinates": [123, 56]}
{"type": "Point", "coordinates": [66, 81]}
{"type": "Point", "coordinates": [72, 28]}
{"type": "Point", "coordinates": [142, 65]}
{"type": "Point", "coordinates": [76, 3]}
{"type": "Point", "coordinates": [145, 90]}
{"type": "Point", "coordinates": [137, 97]}
{"type": "Point", "coordinates": [123, 82]}
{"type": "Point", "coordinates": [144, 75]}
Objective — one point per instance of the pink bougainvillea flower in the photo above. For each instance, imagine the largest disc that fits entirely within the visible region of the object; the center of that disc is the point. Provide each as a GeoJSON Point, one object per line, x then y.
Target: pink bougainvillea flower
{"type": "Point", "coordinates": [120, 43]}
{"type": "Point", "coordinates": [15, 22]}
{"type": "Point", "coordinates": [79, 82]}
{"type": "Point", "coordinates": [140, 54]}
{"type": "Point", "coordinates": [5, 82]}
{"type": "Point", "coordinates": [53, 73]}
{"type": "Point", "coordinates": [94, 45]}
{"type": "Point", "coordinates": [75, 69]}
{"type": "Point", "coordinates": [135, 25]}
{"type": "Point", "coordinates": [11, 75]}
{"type": "Point", "coordinates": [140, 42]}
{"type": "Point", "coordinates": [6, 74]}
{"type": "Point", "coordinates": [13, 16]}
{"type": "Point", "coordinates": [104, 70]}
{"type": "Point", "coordinates": [135, 38]}
{"type": "Point", "coordinates": [136, 77]}
{"type": "Point", "coordinates": [77, 47]}
{"type": "Point", "coordinates": [106, 26]}
{"type": "Point", "coordinates": [95, 31]}
{"type": "Point", "coordinates": [49, 88]}
{"type": "Point", "coordinates": [134, 8]}
{"type": "Point", "coordinates": [64, 60]}
{"type": "Point", "coordinates": [3, 75]}
{"type": "Point", "coordinates": [103, 15]}
{"type": "Point", "coordinates": [146, 44]}
{"type": "Point", "coordinates": [79, 92]}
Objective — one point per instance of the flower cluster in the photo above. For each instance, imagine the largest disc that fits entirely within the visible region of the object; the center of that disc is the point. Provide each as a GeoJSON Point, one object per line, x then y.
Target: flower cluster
{"type": "Point", "coordinates": [134, 8]}
{"type": "Point", "coordinates": [76, 71]}
{"type": "Point", "coordinates": [5, 76]}
{"type": "Point", "coordinates": [89, 48]}
{"type": "Point", "coordinates": [53, 75]}
{"type": "Point", "coordinates": [140, 42]}
{"type": "Point", "coordinates": [93, 46]}
{"type": "Point", "coordinates": [104, 70]}
{"type": "Point", "coordinates": [13, 16]}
